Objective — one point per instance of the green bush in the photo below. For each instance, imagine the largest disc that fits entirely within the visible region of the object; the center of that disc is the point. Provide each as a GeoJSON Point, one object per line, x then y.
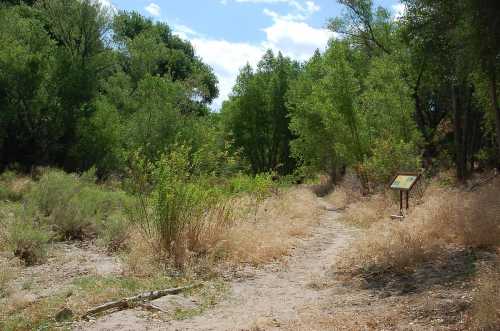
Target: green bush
{"type": "Point", "coordinates": [113, 232]}
{"type": "Point", "coordinates": [170, 203]}
{"type": "Point", "coordinates": [22, 233]}
{"type": "Point", "coordinates": [28, 239]}
{"type": "Point", "coordinates": [260, 185]}
{"type": "Point", "coordinates": [76, 208]}
{"type": "Point", "coordinates": [390, 156]}
{"type": "Point", "coordinates": [8, 189]}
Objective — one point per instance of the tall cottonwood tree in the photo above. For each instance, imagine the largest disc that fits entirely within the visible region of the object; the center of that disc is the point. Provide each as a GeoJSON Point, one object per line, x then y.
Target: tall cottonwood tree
{"type": "Point", "coordinates": [443, 35]}
{"type": "Point", "coordinates": [77, 86]}
{"type": "Point", "coordinates": [256, 116]}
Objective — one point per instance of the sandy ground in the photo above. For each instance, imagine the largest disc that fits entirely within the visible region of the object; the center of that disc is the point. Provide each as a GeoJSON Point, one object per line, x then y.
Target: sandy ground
{"type": "Point", "coordinates": [66, 262]}
{"type": "Point", "coordinates": [265, 298]}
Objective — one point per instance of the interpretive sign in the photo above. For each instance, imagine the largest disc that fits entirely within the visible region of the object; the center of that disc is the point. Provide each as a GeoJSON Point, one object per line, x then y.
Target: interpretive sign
{"type": "Point", "coordinates": [404, 183]}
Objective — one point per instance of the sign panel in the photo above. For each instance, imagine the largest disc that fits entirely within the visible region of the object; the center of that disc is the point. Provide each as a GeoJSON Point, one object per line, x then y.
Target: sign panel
{"type": "Point", "coordinates": [403, 182]}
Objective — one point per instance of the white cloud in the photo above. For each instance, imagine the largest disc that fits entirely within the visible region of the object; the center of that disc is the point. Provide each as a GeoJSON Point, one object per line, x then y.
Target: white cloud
{"type": "Point", "coordinates": [185, 32]}
{"type": "Point", "coordinates": [301, 10]}
{"type": "Point", "coordinates": [226, 58]}
{"type": "Point", "coordinates": [399, 10]}
{"type": "Point", "coordinates": [288, 33]}
{"type": "Point", "coordinates": [153, 9]}
{"type": "Point", "coordinates": [296, 39]}
{"type": "Point", "coordinates": [107, 5]}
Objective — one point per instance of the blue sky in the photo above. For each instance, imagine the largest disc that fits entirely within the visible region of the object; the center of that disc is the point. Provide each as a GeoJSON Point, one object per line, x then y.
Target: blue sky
{"type": "Point", "coordinates": [227, 34]}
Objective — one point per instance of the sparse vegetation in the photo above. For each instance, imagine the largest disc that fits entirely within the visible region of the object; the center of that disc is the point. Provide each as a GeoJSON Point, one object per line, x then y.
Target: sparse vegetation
{"type": "Point", "coordinates": [117, 175]}
{"type": "Point", "coordinates": [486, 301]}
{"type": "Point", "coordinates": [446, 217]}
{"type": "Point", "coordinates": [74, 207]}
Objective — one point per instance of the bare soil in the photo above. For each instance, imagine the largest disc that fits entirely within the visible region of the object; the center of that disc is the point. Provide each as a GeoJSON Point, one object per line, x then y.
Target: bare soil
{"type": "Point", "coordinates": [260, 297]}
{"type": "Point", "coordinates": [66, 262]}
{"type": "Point", "coordinates": [302, 292]}
{"type": "Point", "coordinates": [306, 293]}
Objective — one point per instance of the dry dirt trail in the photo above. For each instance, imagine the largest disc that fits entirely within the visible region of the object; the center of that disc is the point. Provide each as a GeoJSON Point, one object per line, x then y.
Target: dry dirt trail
{"type": "Point", "coordinates": [270, 297]}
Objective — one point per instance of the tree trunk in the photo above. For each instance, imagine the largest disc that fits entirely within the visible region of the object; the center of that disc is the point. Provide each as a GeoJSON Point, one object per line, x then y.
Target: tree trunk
{"type": "Point", "coordinates": [460, 162]}
{"type": "Point", "coordinates": [496, 109]}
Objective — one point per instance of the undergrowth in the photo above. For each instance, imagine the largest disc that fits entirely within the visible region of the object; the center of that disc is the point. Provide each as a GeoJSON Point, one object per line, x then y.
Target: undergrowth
{"type": "Point", "coordinates": [61, 206]}
{"type": "Point", "coordinates": [446, 217]}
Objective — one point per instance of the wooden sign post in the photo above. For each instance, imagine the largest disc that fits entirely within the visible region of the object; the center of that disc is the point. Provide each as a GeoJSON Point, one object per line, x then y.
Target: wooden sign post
{"type": "Point", "coordinates": [404, 182]}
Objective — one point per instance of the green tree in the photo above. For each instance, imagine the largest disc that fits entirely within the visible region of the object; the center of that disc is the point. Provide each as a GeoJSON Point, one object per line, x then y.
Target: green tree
{"type": "Point", "coordinates": [256, 117]}
{"type": "Point", "coordinates": [323, 111]}
{"type": "Point", "coordinates": [29, 121]}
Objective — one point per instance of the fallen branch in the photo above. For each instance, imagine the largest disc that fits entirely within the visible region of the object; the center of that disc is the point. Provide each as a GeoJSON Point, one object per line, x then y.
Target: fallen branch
{"type": "Point", "coordinates": [129, 302]}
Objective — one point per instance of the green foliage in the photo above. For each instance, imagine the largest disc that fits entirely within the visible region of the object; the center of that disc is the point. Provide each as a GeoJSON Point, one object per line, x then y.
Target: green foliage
{"type": "Point", "coordinates": [27, 239]}
{"type": "Point", "coordinates": [389, 157]}
{"type": "Point", "coordinates": [100, 139]}
{"type": "Point", "coordinates": [359, 119]}
{"type": "Point", "coordinates": [260, 185]}
{"type": "Point", "coordinates": [75, 208]}
{"type": "Point", "coordinates": [170, 202]}
{"type": "Point", "coordinates": [72, 98]}
{"type": "Point", "coordinates": [152, 49]}
{"type": "Point", "coordinates": [256, 117]}
{"type": "Point", "coordinates": [324, 115]}
{"type": "Point", "coordinates": [452, 52]}
{"type": "Point", "coordinates": [81, 87]}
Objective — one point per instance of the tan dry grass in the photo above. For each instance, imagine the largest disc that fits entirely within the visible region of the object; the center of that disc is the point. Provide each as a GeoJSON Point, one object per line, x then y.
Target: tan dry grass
{"type": "Point", "coordinates": [9, 268]}
{"type": "Point", "coordinates": [366, 211]}
{"type": "Point", "coordinates": [141, 259]}
{"type": "Point", "coordinates": [279, 221]}
{"type": "Point", "coordinates": [486, 300]}
{"type": "Point", "coordinates": [446, 217]}
{"type": "Point", "coordinates": [236, 233]}
{"type": "Point", "coordinates": [316, 320]}
{"type": "Point", "coordinates": [362, 211]}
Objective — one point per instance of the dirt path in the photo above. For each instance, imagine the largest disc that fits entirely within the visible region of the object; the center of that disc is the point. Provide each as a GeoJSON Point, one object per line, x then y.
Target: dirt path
{"type": "Point", "coordinates": [272, 296]}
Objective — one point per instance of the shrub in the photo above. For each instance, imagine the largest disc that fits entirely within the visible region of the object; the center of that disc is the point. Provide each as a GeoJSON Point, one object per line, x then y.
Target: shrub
{"type": "Point", "coordinates": [324, 187]}
{"type": "Point", "coordinates": [54, 190]}
{"type": "Point", "coordinates": [76, 208]}
{"type": "Point", "coordinates": [13, 187]}
{"type": "Point", "coordinates": [258, 187]}
{"type": "Point", "coordinates": [390, 156]}
{"type": "Point", "coordinates": [456, 218]}
{"type": "Point", "coordinates": [177, 211]}
{"type": "Point", "coordinates": [113, 232]}
{"type": "Point", "coordinates": [28, 240]}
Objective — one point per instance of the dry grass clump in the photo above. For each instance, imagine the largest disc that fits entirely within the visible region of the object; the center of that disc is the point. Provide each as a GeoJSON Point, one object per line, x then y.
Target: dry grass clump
{"type": "Point", "coordinates": [368, 210]}
{"type": "Point", "coordinates": [360, 210]}
{"type": "Point", "coordinates": [323, 187]}
{"type": "Point", "coordinates": [236, 233]}
{"type": "Point", "coordinates": [345, 321]}
{"type": "Point", "coordinates": [485, 313]}
{"type": "Point", "coordinates": [13, 187]}
{"type": "Point", "coordinates": [8, 270]}
{"type": "Point", "coordinates": [279, 221]}
{"type": "Point", "coordinates": [445, 218]}
{"type": "Point", "coordinates": [194, 238]}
